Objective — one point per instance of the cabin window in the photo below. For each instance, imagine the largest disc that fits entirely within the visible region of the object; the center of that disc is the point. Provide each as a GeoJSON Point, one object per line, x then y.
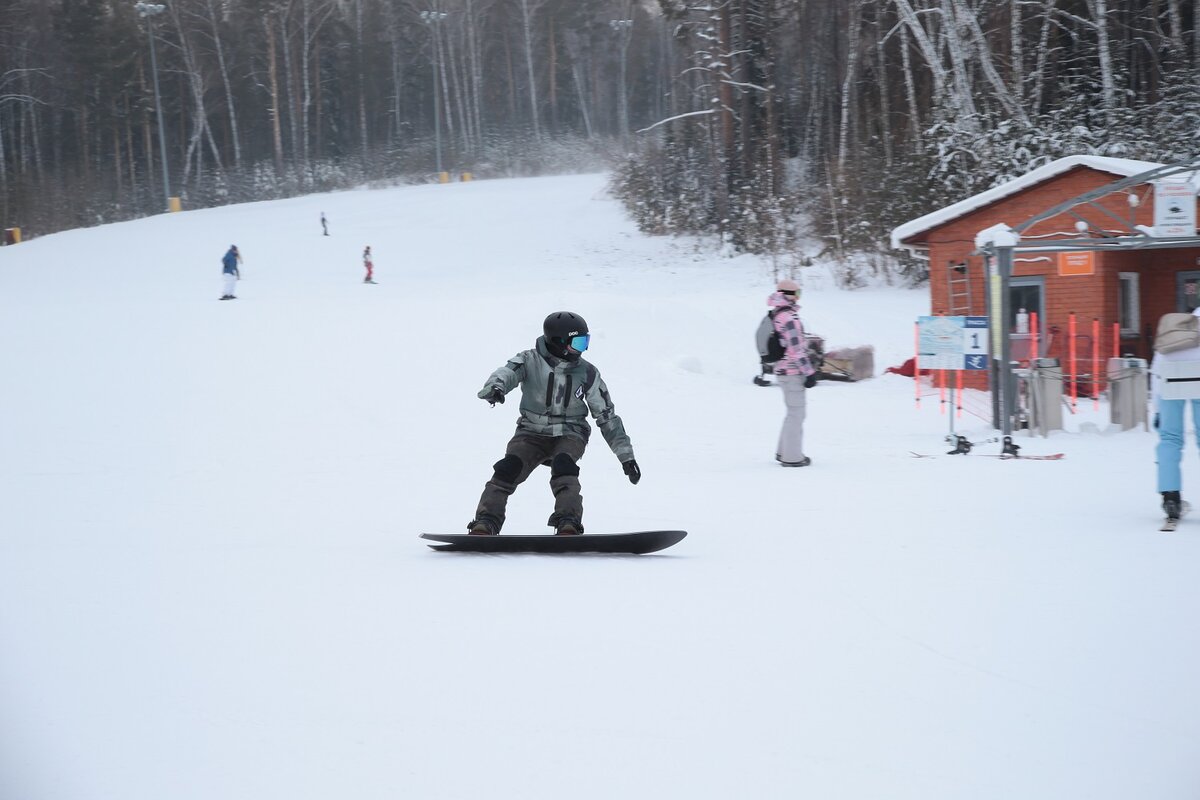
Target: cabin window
{"type": "Point", "coordinates": [1128, 303]}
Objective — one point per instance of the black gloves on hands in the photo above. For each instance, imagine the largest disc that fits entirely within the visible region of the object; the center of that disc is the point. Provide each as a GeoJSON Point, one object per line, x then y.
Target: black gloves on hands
{"type": "Point", "coordinates": [495, 396]}
{"type": "Point", "coordinates": [810, 381]}
{"type": "Point", "coordinates": [631, 469]}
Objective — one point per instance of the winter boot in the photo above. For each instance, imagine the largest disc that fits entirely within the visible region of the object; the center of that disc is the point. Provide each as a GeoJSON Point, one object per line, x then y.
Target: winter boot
{"type": "Point", "coordinates": [804, 462]}
{"type": "Point", "coordinates": [482, 527]}
{"type": "Point", "coordinates": [1172, 505]}
{"type": "Point", "coordinates": [568, 526]}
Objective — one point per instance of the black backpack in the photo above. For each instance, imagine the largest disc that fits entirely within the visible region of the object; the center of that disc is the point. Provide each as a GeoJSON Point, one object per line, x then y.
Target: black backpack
{"type": "Point", "coordinates": [770, 348]}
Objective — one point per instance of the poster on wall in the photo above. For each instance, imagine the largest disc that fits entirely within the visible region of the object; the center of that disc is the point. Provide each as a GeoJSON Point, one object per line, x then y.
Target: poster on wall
{"type": "Point", "coordinates": [1174, 207]}
{"type": "Point", "coordinates": [1077, 262]}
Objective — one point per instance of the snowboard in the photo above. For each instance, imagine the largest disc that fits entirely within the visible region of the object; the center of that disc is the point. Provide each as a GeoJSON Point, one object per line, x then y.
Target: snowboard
{"type": "Point", "coordinates": [637, 542]}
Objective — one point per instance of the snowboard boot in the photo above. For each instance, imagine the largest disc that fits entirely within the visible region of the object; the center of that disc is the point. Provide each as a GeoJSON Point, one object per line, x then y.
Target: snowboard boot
{"type": "Point", "coordinates": [568, 526]}
{"type": "Point", "coordinates": [1172, 505]}
{"type": "Point", "coordinates": [482, 527]}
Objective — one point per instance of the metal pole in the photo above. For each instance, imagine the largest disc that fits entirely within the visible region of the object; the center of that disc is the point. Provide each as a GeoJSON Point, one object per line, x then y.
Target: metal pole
{"type": "Point", "coordinates": [437, 108]}
{"type": "Point", "coordinates": [148, 10]}
{"type": "Point", "coordinates": [432, 18]}
{"type": "Point", "coordinates": [1007, 380]}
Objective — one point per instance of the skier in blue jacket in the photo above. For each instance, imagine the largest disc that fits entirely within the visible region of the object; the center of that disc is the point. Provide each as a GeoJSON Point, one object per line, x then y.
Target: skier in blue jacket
{"type": "Point", "coordinates": [231, 274]}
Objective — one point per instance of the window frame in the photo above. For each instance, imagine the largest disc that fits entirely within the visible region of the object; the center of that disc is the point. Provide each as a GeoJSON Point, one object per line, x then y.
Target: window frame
{"type": "Point", "coordinates": [1129, 282]}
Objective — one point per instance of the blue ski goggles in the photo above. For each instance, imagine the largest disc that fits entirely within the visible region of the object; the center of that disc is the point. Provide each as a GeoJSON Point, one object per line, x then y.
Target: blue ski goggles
{"type": "Point", "coordinates": [579, 343]}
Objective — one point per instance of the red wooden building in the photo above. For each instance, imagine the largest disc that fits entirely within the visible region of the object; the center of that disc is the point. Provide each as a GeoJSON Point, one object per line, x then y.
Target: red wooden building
{"type": "Point", "coordinates": [1088, 246]}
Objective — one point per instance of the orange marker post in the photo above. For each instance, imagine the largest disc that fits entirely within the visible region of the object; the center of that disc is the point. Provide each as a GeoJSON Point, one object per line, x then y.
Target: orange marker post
{"type": "Point", "coordinates": [1096, 363]}
{"type": "Point", "coordinates": [1071, 360]}
{"type": "Point", "coordinates": [1033, 341]}
{"type": "Point", "coordinates": [917, 361]}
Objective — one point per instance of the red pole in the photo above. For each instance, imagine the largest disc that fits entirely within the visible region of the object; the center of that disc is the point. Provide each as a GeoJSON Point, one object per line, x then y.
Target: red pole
{"type": "Point", "coordinates": [917, 361]}
{"type": "Point", "coordinates": [1033, 332]}
{"type": "Point", "coordinates": [1071, 359]}
{"type": "Point", "coordinates": [1096, 363]}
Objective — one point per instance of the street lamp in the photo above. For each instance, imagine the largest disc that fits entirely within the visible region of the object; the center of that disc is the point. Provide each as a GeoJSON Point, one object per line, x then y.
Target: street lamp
{"type": "Point", "coordinates": [432, 18]}
{"type": "Point", "coordinates": [149, 11]}
{"type": "Point", "coordinates": [623, 28]}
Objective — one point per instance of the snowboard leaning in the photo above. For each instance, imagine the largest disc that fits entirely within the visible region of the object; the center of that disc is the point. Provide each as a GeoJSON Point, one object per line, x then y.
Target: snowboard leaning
{"type": "Point", "coordinates": [636, 542]}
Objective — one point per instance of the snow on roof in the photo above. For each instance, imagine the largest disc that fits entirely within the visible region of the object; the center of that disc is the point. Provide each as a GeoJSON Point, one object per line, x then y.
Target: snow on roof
{"type": "Point", "coordinates": [1123, 167]}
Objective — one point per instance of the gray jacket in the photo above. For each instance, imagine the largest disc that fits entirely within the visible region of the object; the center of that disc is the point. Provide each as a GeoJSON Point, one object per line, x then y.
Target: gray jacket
{"type": "Point", "coordinates": [556, 396]}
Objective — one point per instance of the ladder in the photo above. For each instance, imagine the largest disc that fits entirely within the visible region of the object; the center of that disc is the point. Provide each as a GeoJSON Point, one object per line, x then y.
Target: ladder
{"type": "Point", "coordinates": [958, 282]}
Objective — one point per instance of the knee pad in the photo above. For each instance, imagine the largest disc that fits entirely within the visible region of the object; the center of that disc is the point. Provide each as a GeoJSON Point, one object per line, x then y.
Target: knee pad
{"type": "Point", "coordinates": [508, 469]}
{"type": "Point", "coordinates": [562, 465]}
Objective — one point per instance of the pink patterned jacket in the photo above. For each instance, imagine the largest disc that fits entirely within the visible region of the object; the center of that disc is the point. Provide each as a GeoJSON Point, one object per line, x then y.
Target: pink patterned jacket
{"type": "Point", "coordinates": [791, 334]}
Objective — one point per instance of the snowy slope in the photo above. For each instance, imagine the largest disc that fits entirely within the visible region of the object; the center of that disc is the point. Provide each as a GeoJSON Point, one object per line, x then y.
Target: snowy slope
{"type": "Point", "coordinates": [211, 586]}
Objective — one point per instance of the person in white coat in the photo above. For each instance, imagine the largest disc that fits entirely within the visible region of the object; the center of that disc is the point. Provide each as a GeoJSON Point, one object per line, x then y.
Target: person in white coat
{"type": "Point", "coordinates": [1172, 374]}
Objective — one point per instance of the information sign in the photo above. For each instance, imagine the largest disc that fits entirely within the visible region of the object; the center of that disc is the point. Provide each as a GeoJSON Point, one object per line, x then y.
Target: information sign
{"type": "Point", "coordinates": [952, 342]}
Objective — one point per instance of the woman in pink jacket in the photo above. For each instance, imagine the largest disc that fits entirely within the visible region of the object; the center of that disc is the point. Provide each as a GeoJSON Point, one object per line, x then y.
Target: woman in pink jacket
{"type": "Point", "coordinates": [794, 372]}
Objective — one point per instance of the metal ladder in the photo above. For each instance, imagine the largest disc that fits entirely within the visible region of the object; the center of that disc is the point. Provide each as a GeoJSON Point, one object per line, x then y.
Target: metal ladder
{"type": "Point", "coordinates": [958, 282]}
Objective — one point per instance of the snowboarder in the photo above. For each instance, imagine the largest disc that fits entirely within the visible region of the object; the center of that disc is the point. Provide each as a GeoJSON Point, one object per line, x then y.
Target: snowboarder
{"type": "Point", "coordinates": [230, 272]}
{"type": "Point", "coordinates": [368, 265]}
{"type": "Point", "coordinates": [794, 372]}
{"type": "Point", "coordinates": [1182, 361]}
{"type": "Point", "coordinates": [558, 390]}
{"type": "Point", "coordinates": [324, 224]}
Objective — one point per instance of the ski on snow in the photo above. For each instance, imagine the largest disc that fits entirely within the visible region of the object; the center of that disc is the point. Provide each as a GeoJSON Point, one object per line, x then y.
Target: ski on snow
{"type": "Point", "coordinates": [1010, 451]}
{"type": "Point", "coordinates": [1002, 456]}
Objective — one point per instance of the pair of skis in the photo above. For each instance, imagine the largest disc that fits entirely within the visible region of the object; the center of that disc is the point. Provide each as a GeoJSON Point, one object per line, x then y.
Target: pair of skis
{"type": "Point", "coordinates": [1001, 456]}
{"type": "Point", "coordinates": [963, 445]}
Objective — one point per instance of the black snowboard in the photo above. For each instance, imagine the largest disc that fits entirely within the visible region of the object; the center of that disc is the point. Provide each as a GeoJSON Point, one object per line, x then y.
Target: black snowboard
{"type": "Point", "coordinates": [639, 542]}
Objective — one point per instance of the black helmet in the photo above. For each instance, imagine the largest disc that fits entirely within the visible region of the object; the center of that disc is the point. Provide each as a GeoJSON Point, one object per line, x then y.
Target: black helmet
{"type": "Point", "coordinates": [566, 334]}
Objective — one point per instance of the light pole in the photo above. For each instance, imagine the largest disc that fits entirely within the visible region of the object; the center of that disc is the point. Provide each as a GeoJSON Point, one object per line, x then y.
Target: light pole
{"type": "Point", "coordinates": [148, 11]}
{"type": "Point", "coordinates": [623, 27]}
{"type": "Point", "coordinates": [432, 18]}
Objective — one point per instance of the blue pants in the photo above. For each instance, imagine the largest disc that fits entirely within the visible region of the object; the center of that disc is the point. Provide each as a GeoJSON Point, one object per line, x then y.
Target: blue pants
{"type": "Point", "coordinates": [1169, 421]}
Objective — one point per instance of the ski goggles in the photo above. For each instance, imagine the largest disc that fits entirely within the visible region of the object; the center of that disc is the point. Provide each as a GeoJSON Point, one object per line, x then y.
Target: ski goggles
{"type": "Point", "coordinates": [579, 343]}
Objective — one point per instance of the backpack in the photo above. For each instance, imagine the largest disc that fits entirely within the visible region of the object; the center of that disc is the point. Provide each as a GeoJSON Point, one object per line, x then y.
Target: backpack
{"type": "Point", "coordinates": [770, 349]}
{"type": "Point", "coordinates": [1177, 332]}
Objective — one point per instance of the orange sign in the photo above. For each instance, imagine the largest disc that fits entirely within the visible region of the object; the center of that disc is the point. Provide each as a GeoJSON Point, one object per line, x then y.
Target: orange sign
{"type": "Point", "coordinates": [1081, 262]}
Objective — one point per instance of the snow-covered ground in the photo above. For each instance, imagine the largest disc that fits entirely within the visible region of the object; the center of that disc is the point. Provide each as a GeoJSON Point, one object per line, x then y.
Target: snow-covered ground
{"type": "Point", "coordinates": [211, 585]}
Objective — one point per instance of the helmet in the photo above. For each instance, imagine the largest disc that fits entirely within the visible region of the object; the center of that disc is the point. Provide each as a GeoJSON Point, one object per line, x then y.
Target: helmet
{"type": "Point", "coordinates": [566, 334]}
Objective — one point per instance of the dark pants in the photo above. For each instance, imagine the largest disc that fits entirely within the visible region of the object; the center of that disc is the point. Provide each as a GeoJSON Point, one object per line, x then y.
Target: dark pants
{"type": "Point", "coordinates": [525, 453]}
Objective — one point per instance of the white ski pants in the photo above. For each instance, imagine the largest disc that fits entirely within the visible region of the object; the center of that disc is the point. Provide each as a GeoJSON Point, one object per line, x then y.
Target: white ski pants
{"type": "Point", "coordinates": [791, 438]}
{"type": "Point", "coordinates": [230, 282]}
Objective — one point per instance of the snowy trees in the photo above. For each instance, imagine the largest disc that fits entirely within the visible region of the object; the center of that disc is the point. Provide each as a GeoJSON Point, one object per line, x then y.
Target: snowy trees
{"type": "Point", "coordinates": [889, 108]}
{"type": "Point", "coordinates": [270, 97]}
{"type": "Point", "coordinates": [739, 112]}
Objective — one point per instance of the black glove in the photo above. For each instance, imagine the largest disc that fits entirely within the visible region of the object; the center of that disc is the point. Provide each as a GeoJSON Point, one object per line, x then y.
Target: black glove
{"type": "Point", "coordinates": [631, 469]}
{"type": "Point", "coordinates": [495, 396]}
{"type": "Point", "coordinates": [810, 381]}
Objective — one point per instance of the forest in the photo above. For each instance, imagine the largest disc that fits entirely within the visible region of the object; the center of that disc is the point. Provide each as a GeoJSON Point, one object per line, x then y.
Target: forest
{"type": "Point", "coordinates": [762, 122]}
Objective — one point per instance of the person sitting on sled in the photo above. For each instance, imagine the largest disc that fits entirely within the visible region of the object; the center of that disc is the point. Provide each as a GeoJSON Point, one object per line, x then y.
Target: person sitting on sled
{"type": "Point", "coordinates": [558, 390]}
